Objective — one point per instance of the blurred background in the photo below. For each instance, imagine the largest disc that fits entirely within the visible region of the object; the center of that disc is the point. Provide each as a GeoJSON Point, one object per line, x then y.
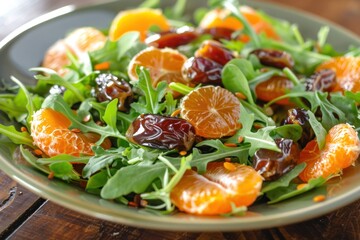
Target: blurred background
{"type": "Point", "coordinates": [14, 13]}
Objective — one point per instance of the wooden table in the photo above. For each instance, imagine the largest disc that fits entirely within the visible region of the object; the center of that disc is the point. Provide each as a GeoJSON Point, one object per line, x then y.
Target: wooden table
{"type": "Point", "coordinates": [24, 215]}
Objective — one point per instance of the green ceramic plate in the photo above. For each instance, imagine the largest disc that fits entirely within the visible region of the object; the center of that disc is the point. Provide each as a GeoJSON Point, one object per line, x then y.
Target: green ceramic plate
{"type": "Point", "coordinates": [25, 47]}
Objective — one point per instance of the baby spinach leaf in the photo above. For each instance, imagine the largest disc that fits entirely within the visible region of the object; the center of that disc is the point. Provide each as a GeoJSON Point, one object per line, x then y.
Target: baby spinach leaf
{"type": "Point", "coordinates": [235, 81]}
{"type": "Point", "coordinates": [283, 181]}
{"type": "Point", "coordinates": [133, 178]}
{"type": "Point", "coordinates": [282, 193]}
{"type": "Point", "coordinates": [64, 171]}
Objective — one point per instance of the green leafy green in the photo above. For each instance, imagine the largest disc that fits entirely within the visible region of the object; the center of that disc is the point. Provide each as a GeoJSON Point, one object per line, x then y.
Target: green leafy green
{"type": "Point", "coordinates": [16, 136]}
{"type": "Point", "coordinates": [64, 171]}
{"type": "Point", "coordinates": [282, 193]}
{"type": "Point", "coordinates": [153, 96]}
{"type": "Point", "coordinates": [283, 181]}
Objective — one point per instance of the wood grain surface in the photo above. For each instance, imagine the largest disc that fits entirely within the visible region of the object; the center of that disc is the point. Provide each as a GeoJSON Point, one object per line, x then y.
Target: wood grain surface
{"type": "Point", "coordinates": [23, 215]}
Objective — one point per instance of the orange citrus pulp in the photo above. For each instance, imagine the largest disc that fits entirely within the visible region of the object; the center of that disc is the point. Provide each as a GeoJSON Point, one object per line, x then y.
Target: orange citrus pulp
{"type": "Point", "coordinates": [214, 191]}
{"type": "Point", "coordinates": [137, 20]}
{"type": "Point", "coordinates": [342, 148]}
{"type": "Point", "coordinates": [213, 111]}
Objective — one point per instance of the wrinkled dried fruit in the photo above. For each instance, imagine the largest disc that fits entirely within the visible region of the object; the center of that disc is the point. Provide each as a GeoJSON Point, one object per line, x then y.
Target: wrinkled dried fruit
{"type": "Point", "coordinates": [323, 80]}
{"type": "Point", "coordinates": [161, 132]}
{"type": "Point", "coordinates": [300, 117]}
{"type": "Point", "coordinates": [202, 70]}
{"type": "Point", "coordinates": [172, 38]}
{"type": "Point", "coordinates": [274, 58]}
{"type": "Point", "coordinates": [110, 87]}
{"type": "Point", "coordinates": [214, 51]}
{"type": "Point", "coordinates": [272, 165]}
{"type": "Point", "coordinates": [218, 33]}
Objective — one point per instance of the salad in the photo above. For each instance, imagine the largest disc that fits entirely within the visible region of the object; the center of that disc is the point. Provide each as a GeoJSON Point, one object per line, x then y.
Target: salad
{"type": "Point", "coordinates": [205, 116]}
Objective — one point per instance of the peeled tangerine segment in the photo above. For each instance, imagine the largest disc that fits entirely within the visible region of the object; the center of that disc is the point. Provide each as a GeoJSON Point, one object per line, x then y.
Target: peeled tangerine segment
{"type": "Point", "coordinates": [342, 148]}
{"type": "Point", "coordinates": [51, 133]}
{"type": "Point", "coordinates": [214, 192]}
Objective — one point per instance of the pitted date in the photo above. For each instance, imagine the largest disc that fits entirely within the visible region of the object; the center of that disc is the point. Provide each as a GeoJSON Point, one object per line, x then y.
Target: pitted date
{"type": "Point", "coordinates": [202, 70]}
{"type": "Point", "coordinates": [110, 87]}
{"type": "Point", "coordinates": [272, 165]}
{"type": "Point", "coordinates": [324, 80]}
{"type": "Point", "coordinates": [300, 117]}
{"type": "Point", "coordinates": [274, 58]}
{"type": "Point", "coordinates": [172, 38]}
{"type": "Point", "coordinates": [161, 132]}
{"type": "Point", "coordinates": [214, 51]}
{"type": "Point", "coordinates": [218, 33]}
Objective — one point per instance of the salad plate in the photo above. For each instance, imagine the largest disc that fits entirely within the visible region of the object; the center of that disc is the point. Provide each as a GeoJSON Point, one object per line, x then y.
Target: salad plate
{"type": "Point", "coordinates": [25, 48]}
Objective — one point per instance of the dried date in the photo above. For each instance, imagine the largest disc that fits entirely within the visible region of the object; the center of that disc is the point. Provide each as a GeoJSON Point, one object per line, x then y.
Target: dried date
{"type": "Point", "coordinates": [271, 164]}
{"type": "Point", "coordinates": [110, 87]}
{"type": "Point", "coordinates": [274, 58]}
{"type": "Point", "coordinates": [161, 132]}
{"type": "Point", "coordinates": [214, 51]}
{"type": "Point", "coordinates": [172, 38]}
{"type": "Point", "coordinates": [324, 80]}
{"type": "Point", "coordinates": [202, 70]}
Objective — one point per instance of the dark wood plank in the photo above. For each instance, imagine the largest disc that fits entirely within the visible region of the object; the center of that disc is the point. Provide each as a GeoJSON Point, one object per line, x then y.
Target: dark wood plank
{"type": "Point", "coordinates": [341, 225]}
{"type": "Point", "coordinates": [54, 222]}
{"type": "Point", "coordinates": [345, 12]}
{"type": "Point", "coordinates": [15, 203]}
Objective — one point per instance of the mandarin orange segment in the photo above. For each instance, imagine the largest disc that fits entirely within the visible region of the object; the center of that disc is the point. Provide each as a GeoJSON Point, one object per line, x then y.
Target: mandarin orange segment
{"type": "Point", "coordinates": [137, 20]}
{"type": "Point", "coordinates": [273, 88]}
{"type": "Point", "coordinates": [215, 191]}
{"type": "Point", "coordinates": [213, 111]}
{"type": "Point", "coordinates": [163, 64]}
{"type": "Point", "coordinates": [342, 148]}
{"type": "Point", "coordinates": [51, 134]}
{"type": "Point", "coordinates": [78, 42]}
{"type": "Point", "coordinates": [347, 71]}
{"type": "Point", "coordinates": [221, 18]}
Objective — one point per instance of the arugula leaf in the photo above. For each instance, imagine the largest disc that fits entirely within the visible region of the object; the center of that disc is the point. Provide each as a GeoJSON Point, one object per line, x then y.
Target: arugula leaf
{"type": "Point", "coordinates": [29, 101]}
{"type": "Point", "coordinates": [51, 77]}
{"type": "Point", "coordinates": [102, 159]}
{"type": "Point", "coordinates": [153, 96]}
{"type": "Point", "coordinates": [200, 160]}
{"type": "Point", "coordinates": [284, 180]}
{"type": "Point", "coordinates": [319, 131]}
{"type": "Point", "coordinates": [282, 193]}
{"type": "Point", "coordinates": [16, 136]}
{"type": "Point", "coordinates": [257, 140]}
{"type": "Point", "coordinates": [57, 103]}
{"type": "Point", "coordinates": [32, 160]}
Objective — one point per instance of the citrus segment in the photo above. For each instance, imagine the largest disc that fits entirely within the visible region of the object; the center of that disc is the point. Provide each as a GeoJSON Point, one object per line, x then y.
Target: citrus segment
{"type": "Point", "coordinates": [78, 42]}
{"type": "Point", "coordinates": [214, 192]}
{"type": "Point", "coordinates": [347, 71]}
{"type": "Point", "coordinates": [221, 18]}
{"type": "Point", "coordinates": [273, 88]}
{"type": "Point", "coordinates": [342, 148]}
{"type": "Point", "coordinates": [50, 132]}
{"type": "Point", "coordinates": [163, 64]}
{"type": "Point", "coordinates": [213, 111]}
{"type": "Point", "coordinates": [137, 20]}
